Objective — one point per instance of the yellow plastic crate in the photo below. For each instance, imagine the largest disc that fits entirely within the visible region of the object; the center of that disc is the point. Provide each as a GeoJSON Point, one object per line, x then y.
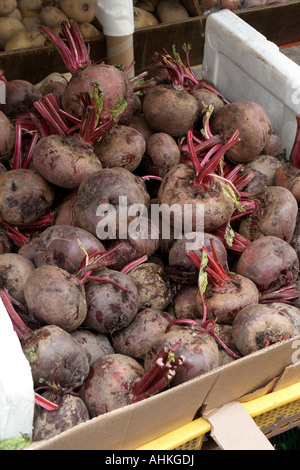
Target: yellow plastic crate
{"type": "Point", "coordinates": [273, 413]}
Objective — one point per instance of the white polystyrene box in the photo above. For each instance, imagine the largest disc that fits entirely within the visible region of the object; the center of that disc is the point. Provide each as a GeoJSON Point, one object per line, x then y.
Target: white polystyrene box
{"type": "Point", "coordinates": [17, 399]}
{"type": "Point", "coordinates": [245, 66]}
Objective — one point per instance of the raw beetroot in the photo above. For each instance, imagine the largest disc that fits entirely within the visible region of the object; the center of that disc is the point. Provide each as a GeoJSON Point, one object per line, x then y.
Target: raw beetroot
{"type": "Point", "coordinates": [14, 271]}
{"type": "Point", "coordinates": [258, 326]}
{"type": "Point", "coordinates": [66, 247]}
{"type": "Point", "coordinates": [20, 98]}
{"type": "Point", "coordinates": [201, 352]}
{"type": "Point", "coordinates": [137, 338]}
{"type": "Point", "coordinates": [153, 286]}
{"type": "Point", "coordinates": [253, 124]}
{"type": "Point", "coordinates": [275, 215]}
{"type": "Point", "coordinates": [70, 412]}
{"type": "Point", "coordinates": [110, 307]}
{"type": "Point", "coordinates": [55, 297]}
{"type": "Point", "coordinates": [123, 147]}
{"type": "Point", "coordinates": [75, 54]}
{"type": "Point", "coordinates": [64, 161]}
{"type": "Point", "coordinates": [25, 196]}
{"type": "Point", "coordinates": [270, 262]}
{"type": "Point", "coordinates": [98, 197]}
{"type": "Point", "coordinates": [170, 109]}
{"type": "Point", "coordinates": [7, 137]}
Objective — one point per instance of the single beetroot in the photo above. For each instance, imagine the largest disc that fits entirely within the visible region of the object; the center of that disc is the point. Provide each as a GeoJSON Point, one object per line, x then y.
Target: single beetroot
{"type": "Point", "coordinates": [270, 262]}
{"type": "Point", "coordinates": [170, 109]}
{"type": "Point", "coordinates": [95, 344]}
{"type": "Point", "coordinates": [274, 145]}
{"type": "Point", "coordinates": [71, 411]}
{"type": "Point", "coordinates": [225, 293]}
{"type": "Point", "coordinates": [76, 57]}
{"type": "Point", "coordinates": [201, 352]}
{"type": "Point", "coordinates": [253, 124]}
{"type": "Point", "coordinates": [110, 307]}
{"type": "Point", "coordinates": [14, 271]}
{"type": "Point", "coordinates": [25, 196]}
{"type": "Point", "coordinates": [162, 153]}
{"type": "Point", "coordinates": [275, 214]}
{"type": "Point", "coordinates": [117, 380]}
{"type": "Point", "coordinates": [258, 326]}
{"type": "Point", "coordinates": [137, 338]}
{"type": "Point", "coordinates": [7, 137]}
{"type": "Point", "coordinates": [185, 303]}
{"type": "Point", "coordinates": [20, 98]}
{"type": "Point", "coordinates": [98, 198]}
{"type": "Point", "coordinates": [182, 185]}
{"type": "Point", "coordinates": [153, 285]}
{"type": "Point", "coordinates": [55, 297]}
{"type": "Point", "coordinates": [122, 146]}
{"type": "Point", "coordinates": [54, 356]}
{"type": "Point", "coordinates": [263, 169]}
{"type": "Point", "coordinates": [66, 247]}
{"type": "Point", "coordinates": [178, 252]}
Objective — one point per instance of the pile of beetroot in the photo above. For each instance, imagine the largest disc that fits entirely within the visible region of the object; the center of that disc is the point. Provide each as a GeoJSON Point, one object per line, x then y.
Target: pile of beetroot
{"type": "Point", "coordinates": [109, 317]}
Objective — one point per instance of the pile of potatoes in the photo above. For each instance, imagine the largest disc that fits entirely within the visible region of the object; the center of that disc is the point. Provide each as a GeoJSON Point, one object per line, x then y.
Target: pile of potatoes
{"type": "Point", "coordinates": [154, 12]}
{"type": "Point", "coordinates": [20, 20]}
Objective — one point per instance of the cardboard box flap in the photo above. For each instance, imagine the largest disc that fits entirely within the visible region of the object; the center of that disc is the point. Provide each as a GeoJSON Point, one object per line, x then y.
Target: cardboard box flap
{"type": "Point", "coordinates": [257, 370]}
{"type": "Point", "coordinates": [234, 429]}
{"type": "Point", "coordinates": [133, 426]}
{"type": "Point", "coordinates": [290, 376]}
{"type": "Point", "coordinates": [260, 392]}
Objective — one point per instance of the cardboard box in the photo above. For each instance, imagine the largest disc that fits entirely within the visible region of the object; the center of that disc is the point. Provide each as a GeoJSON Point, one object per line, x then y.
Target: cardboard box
{"type": "Point", "coordinates": [134, 425]}
{"type": "Point", "coordinates": [214, 395]}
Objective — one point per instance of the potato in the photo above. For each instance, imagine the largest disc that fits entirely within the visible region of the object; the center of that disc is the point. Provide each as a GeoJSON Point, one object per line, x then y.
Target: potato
{"type": "Point", "coordinates": [7, 7]}
{"type": "Point", "coordinates": [143, 18]}
{"type": "Point", "coordinates": [30, 8]}
{"type": "Point", "coordinates": [170, 11]}
{"type": "Point", "coordinates": [51, 16]}
{"type": "Point", "coordinates": [53, 83]}
{"type": "Point", "coordinates": [31, 22]}
{"type": "Point", "coordinates": [82, 11]}
{"type": "Point", "coordinates": [148, 5]}
{"type": "Point", "coordinates": [16, 14]}
{"type": "Point", "coordinates": [25, 39]}
{"type": "Point", "coordinates": [89, 31]}
{"type": "Point", "coordinates": [207, 4]}
{"type": "Point", "coordinates": [8, 27]}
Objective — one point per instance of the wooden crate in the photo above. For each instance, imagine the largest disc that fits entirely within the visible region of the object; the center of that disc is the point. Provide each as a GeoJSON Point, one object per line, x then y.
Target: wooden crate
{"type": "Point", "coordinates": [279, 23]}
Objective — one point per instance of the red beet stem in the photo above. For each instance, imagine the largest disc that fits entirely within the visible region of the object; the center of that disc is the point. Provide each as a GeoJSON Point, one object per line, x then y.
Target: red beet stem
{"type": "Point", "coordinates": [49, 109]}
{"type": "Point", "coordinates": [19, 326]}
{"type": "Point", "coordinates": [70, 45]}
{"type": "Point", "coordinates": [44, 403]}
{"type": "Point", "coordinates": [160, 374]}
{"type": "Point", "coordinates": [28, 156]}
{"type": "Point", "coordinates": [284, 295]}
{"type": "Point", "coordinates": [105, 280]}
{"type": "Point", "coordinates": [133, 264]}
